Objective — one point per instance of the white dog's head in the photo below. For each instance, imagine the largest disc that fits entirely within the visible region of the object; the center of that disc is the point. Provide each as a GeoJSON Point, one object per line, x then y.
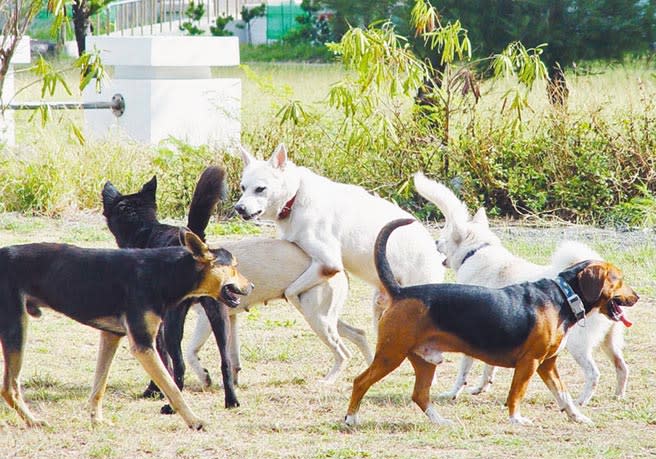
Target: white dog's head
{"type": "Point", "coordinates": [266, 186]}
{"type": "Point", "coordinates": [461, 236]}
{"type": "Point", "coordinates": [462, 233]}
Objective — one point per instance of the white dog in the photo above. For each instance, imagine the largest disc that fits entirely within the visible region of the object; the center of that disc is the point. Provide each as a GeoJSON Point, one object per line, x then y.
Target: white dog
{"type": "Point", "coordinates": [335, 224]}
{"type": "Point", "coordinates": [477, 256]}
{"type": "Point", "coordinates": [272, 265]}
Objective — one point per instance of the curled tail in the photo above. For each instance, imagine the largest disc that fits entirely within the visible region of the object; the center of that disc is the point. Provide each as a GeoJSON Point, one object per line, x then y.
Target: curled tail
{"type": "Point", "coordinates": [380, 256]}
{"type": "Point", "coordinates": [210, 189]}
{"type": "Point", "coordinates": [451, 207]}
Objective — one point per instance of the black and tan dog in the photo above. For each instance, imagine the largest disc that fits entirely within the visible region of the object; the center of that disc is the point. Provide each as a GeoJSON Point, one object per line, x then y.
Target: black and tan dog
{"type": "Point", "coordinates": [132, 219]}
{"type": "Point", "coordinates": [521, 326]}
{"type": "Point", "coordinates": [119, 292]}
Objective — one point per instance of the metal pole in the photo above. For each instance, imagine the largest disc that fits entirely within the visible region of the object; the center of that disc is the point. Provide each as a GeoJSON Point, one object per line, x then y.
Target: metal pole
{"type": "Point", "coordinates": [117, 105]}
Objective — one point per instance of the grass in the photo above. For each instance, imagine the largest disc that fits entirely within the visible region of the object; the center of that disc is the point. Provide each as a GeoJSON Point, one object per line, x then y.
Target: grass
{"type": "Point", "coordinates": [286, 413]}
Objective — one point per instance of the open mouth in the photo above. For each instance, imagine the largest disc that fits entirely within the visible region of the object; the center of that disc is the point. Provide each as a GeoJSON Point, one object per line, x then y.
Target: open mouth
{"type": "Point", "coordinates": [246, 216]}
{"type": "Point", "coordinates": [616, 313]}
{"type": "Point", "coordinates": [231, 295]}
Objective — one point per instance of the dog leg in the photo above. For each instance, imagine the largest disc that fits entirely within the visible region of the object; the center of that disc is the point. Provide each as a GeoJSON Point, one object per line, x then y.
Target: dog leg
{"type": "Point", "coordinates": [583, 356]}
{"type": "Point", "coordinates": [487, 378]}
{"type": "Point", "coordinates": [13, 344]}
{"type": "Point", "coordinates": [173, 330]}
{"type": "Point", "coordinates": [466, 363]}
{"type": "Point", "coordinates": [235, 354]}
{"type": "Point", "coordinates": [217, 313]}
{"type": "Point", "coordinates": [201, 334]}
{"type": "Point", "coordinates": [391, 350]}
{"type": "Point", "coordinates": [383, 364]}
{"type": "Point", "coordinates": [106, 351]}
{"type": "Point", "coordinates": [358, 337]}
{"type": "Point", "coordinates": [523, 372]}
{"type": "Point", "coordinates": [141, 337]}
{"type": "Point", "coordinates": [321, 312]}
{"type": "Point", "coordinates": [318, 272]}
{"type": "Point", "coordinates": [424, 373]}
{"type": "Point", "coordinates": [549, 374]}
{"type": "Point", "coordinates": [612, 345]}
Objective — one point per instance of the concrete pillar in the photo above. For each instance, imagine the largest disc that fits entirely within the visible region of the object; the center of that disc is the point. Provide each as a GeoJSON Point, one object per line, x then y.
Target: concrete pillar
{"type": "Point", "coordinates": [169, 90]}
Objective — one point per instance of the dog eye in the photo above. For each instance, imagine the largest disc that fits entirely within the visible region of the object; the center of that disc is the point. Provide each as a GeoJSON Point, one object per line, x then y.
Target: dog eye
{"type": "Point", "coordinates": [243, 188]}
{"type": "Point", "coordinates": [260, 189]}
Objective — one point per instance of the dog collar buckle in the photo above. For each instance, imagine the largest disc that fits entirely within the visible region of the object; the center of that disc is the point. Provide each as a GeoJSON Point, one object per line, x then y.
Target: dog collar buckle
{"type": "Point", "coordinates": [573, 299]}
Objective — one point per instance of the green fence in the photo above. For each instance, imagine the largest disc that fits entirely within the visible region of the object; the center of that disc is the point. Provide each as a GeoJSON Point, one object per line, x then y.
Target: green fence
{"type": "Point", "coordinates": [281, 18]}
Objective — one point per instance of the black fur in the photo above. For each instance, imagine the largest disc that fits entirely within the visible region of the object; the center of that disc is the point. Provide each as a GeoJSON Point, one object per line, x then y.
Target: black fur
{"type": "Point", "coordinates": [488, 319]}
{"type": "Point", "coordinates": [132, 219]}
{"type": "Point", "coordinates": [92, 284]}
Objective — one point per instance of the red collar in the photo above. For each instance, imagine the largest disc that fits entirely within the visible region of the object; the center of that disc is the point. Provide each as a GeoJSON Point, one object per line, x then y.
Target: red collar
{"type": "Point", "coordinates": [287, 209]}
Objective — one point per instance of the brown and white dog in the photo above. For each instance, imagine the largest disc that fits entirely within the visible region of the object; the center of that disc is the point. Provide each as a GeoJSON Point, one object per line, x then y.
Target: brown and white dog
{"type": "Point", "coordinates": [520, 326]}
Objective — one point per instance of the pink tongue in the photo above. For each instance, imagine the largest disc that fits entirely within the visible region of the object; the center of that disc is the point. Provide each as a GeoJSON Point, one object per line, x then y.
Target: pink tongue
{"type": "Point", "coordinates": [627, 323]}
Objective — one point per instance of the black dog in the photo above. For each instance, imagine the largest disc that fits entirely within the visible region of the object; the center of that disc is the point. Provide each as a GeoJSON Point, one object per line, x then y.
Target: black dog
{"type": "Point", "coordinates": [120, 292]}
{"type": "Point", "coordinates": [132, 219]}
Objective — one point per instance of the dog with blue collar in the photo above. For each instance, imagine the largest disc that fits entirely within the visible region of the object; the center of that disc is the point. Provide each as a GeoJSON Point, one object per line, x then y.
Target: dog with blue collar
{"type": "Point", "coordinates": [521, 326]}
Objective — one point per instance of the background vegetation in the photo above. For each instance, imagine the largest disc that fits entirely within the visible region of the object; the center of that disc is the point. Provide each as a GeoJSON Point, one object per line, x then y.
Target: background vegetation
{"type": "Point", "coordinates": [423, 96]}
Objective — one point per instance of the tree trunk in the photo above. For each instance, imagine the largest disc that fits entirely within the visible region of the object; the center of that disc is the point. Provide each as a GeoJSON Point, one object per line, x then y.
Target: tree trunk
{"type": "Point", "coordinates": [557, 86]}
{"type": "Point", "coordinates": [81, 23]}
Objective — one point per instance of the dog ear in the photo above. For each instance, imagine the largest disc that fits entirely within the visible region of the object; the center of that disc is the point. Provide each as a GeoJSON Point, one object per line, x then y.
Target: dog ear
{"type": "Point", "coordinates": [457, 232]}
{"type": "Point", "coordinates": [109, 194]}
{"type": "Point", "coordinates": [246, 157]}
{"type": "Point", "coordinates": [480, 217]}
{"type": "Point", "coordinates": [591, 282]}
{"type": "Point", "coordinates": [279, 157]}
{"type": "Point", "coordinates": [150, 186]}
{"type": "Point", "coordinates": [196, 247]}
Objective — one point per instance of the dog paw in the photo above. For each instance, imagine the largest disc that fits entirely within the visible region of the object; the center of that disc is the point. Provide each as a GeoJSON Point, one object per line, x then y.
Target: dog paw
{"type": "Point", "coordinates": [197, 424]}
{"type": "Point", "coordinates": [449, 395]}
{"type": "Point", "coordinates": [581, 419]}
{"type": "Point", "coordinates": [152, 393]}
{"type": "Point", "coordinates": [351, 420]}
{"type": "Point", "coordinates": [478, 389]}
{"type": "Point", "coordinates": [520, 420]}
{"type": "Point", "coordinates": [328, 380]}
{"type": "Point", "coordinates": [206, 380]}
{"type": "Point", "coordinates": [167, 409]}
{"type": "Point", "coordinates": [232, 403]}
{"type": "Point", "coordinates": [34, 422]}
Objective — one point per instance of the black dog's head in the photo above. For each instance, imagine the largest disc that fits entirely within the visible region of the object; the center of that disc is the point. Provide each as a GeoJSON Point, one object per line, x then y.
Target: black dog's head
{"type": "Point", "coordinates": [131, 214]}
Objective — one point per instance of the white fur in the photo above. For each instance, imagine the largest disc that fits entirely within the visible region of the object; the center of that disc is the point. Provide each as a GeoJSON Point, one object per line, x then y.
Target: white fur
{"type": "Point", "coordinates": [272, 265]}
{"type": "Point", "coordinates": [435, 417]}
{"type": "Point", "coordinates": [495, 266]}
{"type": "Point", "coordinates": [335, 224]}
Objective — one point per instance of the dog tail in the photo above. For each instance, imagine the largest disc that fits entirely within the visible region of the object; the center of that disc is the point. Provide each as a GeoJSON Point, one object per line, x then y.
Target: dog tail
{"type": "Point", "coordinates": [451, 207]}
{"type": "Point", "coordinates": [569, 253]}
{"type": "Point", "coordinates": [210, 189]}
{"type": "Point", "coordinates": [380, 256]}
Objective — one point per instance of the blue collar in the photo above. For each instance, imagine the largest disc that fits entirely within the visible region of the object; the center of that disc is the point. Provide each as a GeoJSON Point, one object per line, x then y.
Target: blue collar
{"type": "Point", "coordinates": [573, 300]}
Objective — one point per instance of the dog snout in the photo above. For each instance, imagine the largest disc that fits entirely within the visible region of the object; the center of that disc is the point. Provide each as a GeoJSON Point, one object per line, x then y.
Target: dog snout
{"type": "Point", "coordinates": [241, 209]}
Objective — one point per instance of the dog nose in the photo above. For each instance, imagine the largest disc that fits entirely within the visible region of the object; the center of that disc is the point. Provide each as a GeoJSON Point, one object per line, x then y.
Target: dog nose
{"type": "Point", "coordinates": [241, 209]}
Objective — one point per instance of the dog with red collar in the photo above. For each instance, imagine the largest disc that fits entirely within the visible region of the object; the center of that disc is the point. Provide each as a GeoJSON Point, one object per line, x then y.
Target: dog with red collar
{"type": "Point", "coordinates": [521, 326]}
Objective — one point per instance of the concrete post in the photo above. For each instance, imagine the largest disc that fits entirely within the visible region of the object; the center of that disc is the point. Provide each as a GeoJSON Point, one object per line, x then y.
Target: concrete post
{"type": "Point", "coordinates": [168, 89]}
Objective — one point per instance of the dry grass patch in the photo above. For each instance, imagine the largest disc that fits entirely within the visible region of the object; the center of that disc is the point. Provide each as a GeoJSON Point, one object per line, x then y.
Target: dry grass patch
{"type": "Point", "coordinates": [285, 412]}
